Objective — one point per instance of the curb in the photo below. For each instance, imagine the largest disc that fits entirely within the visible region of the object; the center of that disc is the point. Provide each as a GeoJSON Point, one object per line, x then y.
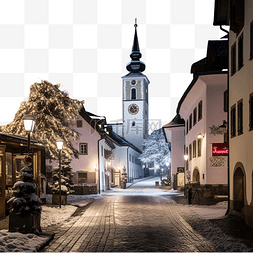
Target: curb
{"type": "Point", "coordinates": [43, 245]}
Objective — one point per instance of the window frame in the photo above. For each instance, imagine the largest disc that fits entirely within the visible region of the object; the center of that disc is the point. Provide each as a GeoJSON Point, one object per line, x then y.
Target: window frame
{"type": "Point", "coordinates": [199, 146]}
{"type": "Point", "coordinates": [251, 111]}
{"type": "Point", "coordinates": [240, 52]}
{"type": "Point", "coordinates": [80, 148]}
{"type": "Point", "coordinates": [240, 117]}
{"type": "Point", "coordinates": [133, 94]}
{"type": "Point", "coordinates": [233, 59]}
{"type": "Point", "coordinates": [190, 151]}
{"type": "Point", "coordinates": [233, 121]}
{"type": "Point", "coordinates": [194, 116]}
{"type": "Point", "coordinates": [190, 122]}
{"type": "Point", "coordinates": [194, 149]}
{"type": "Point", "coordinates": [78, 125]}
{"type": "Point", "coordinates": [200, 110]}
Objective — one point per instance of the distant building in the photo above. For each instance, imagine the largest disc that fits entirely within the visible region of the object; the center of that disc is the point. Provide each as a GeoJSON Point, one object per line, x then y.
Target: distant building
{"type": "Point", "coordinates": [196, 131]}
{"type": "Point", "coordinates": [238, 15]}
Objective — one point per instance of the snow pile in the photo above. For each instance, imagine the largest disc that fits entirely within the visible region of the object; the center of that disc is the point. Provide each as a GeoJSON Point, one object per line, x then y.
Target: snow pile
{"type": "Point", "coordinates": [18, 242]}
{"type": "Point", "coordinates": [53, 215]}
{"type": "Point", "coordinates": [197, 217]}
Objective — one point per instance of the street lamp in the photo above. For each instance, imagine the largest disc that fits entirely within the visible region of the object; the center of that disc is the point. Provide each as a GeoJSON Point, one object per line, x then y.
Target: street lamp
{"type": "Point", "coordinates": [59, 143]}
{"type": "Point", "coordinates": [29, 124]}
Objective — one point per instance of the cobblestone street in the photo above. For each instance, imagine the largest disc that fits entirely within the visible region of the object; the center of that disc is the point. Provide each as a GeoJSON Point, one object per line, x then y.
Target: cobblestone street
{"type": "Point", "coordinates": [129, 220]}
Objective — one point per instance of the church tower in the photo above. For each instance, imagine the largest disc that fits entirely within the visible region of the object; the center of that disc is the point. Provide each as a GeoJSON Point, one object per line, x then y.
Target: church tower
{"type": "Point", "coordinates": [135, 98]}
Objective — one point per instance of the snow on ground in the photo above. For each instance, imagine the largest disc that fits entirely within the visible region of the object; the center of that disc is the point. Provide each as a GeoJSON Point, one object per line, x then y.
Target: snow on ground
{"type": "Point", "coordinates": [17, 242]}
{"type": "Point", "coordinates": [198, 218]}
{"type": "Point", "coordinates": [50, 215]}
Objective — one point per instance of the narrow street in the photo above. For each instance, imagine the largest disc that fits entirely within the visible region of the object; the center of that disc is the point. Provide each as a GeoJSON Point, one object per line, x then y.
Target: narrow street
{"type": "Point", "coordinates": [140, 218]}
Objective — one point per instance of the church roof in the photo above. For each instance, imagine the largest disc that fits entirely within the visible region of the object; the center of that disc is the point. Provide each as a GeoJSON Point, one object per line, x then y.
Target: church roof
{"type": "Point", "coordinates": [135, 65]}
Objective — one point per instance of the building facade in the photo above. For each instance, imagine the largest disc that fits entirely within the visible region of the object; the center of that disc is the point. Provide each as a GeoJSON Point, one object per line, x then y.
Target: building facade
{"type": "Point", "coordinates": [200, 114]}
{"type": "Point", "coordinates": [238, 15]}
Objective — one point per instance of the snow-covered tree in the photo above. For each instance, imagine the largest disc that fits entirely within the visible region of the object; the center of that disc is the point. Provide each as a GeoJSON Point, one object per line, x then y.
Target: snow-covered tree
{"type": "Point", "coordinates": [66, 178]}
{"type": "Point", "coordinates": [50, 106]}
{"type": "Point", "coordinates": [156, 149]}
{"type": "Point", "coordinates": [25, 201]}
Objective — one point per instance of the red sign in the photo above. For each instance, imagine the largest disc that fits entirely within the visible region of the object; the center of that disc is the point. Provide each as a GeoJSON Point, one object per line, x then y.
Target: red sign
{"type": "Point", "coordinates": [220, 149]}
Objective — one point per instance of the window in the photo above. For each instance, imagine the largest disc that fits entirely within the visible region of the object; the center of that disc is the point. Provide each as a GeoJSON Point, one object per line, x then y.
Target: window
{"type": "Point", "coordinates": [190, 152]}
{"type": "Point", "coordinates": [133, 123]}
{"type": "Point", "coordinates": [133, 93]}
{"type": "Point", "coordinates": [195, 116]}
{"type": "Point", "coordinates": [232, 121]}
{"type": "Point", "coordinates": [79, 123]}
{"type": "Point", "coordinates": [251, 40]}
{"type": "Point", "coordinates": [240, 52]}
{"type": "Point", "coordinates": [82, 177]}
{"type": "Point", "coordinates": [251, 111]}
{"type": "Point", "coordinates": [129, 157]}
{"type": "Point", "coordinates": [83, 148]}
{"type": "Point", "coordinates": [199, 146]}
{"type": "Point", "coordinates": [200, 110]}
{"type": "Point", "coordinates": [190, 121]}
{"type": "Point", "coordinates": [194, 149]}
{"type": "Point", "coordinates": [240, 117]}
{"type": "Point", "coordinates": [187, 126]}
{"type": "Point", "coordinates": [225, 98]}
{"type": "Point", "coordinates": [233, 59]}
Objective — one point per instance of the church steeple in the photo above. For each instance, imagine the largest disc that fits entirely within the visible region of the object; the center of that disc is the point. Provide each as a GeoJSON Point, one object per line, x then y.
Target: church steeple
{"type": "Point", "coordinates": [135, 65]}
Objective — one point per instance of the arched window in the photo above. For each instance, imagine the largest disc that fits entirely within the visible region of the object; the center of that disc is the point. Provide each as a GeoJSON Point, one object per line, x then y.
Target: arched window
{"type": "Point", "coordinates": [133, 93]}
{"type": "Point", "coordinates": [133, 123]}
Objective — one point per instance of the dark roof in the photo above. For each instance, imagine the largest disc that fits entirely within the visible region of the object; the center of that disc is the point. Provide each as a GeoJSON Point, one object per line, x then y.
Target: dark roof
{"type": "Point", "coordinates": [96, 125]}
{"type": "Point", "coordinates": [176, 122]}
{"type": "Point", "coordinates": [221, 12]}
{"type": "Point", "coordinates": [216, 59]}
{"type": "Point", "coordinates": [121, 141]}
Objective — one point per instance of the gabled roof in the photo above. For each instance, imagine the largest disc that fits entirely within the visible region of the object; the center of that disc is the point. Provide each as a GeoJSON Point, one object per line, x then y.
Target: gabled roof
{"type": "Point", "coordinates": [176, 122]}
{"type": "Point", "coordinates": [95, 124]}
{"type": "Point", "coordinates": [121, 141]}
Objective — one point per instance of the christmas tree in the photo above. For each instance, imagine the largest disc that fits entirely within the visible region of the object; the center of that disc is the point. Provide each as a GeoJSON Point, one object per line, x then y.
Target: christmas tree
{"type": "Point", "coordinates": [66, 178]}
{"type": "Point", "coordinates": [51, 107]}
{"type": "Point", "coordinates": [25, 201]}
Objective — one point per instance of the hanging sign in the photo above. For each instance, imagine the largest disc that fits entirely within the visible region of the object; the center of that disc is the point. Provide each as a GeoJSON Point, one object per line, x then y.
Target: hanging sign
{"type": "Point", "coordinates": [220, 149]}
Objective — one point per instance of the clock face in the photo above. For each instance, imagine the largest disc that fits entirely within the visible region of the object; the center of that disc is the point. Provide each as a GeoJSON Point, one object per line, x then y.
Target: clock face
{"type": "Point", "coordinates": [133, 109]}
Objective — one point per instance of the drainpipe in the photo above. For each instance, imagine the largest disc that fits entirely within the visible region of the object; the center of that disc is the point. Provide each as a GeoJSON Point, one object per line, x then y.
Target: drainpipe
{"type": "Point", "coordinates": [128, 174]}
{"type": "Point", "coordinates": [99, 166]}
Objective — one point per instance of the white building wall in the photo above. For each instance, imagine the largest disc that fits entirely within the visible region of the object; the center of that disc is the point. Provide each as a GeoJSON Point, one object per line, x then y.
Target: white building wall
{"type": "Point", "coordinates": [240, 87]}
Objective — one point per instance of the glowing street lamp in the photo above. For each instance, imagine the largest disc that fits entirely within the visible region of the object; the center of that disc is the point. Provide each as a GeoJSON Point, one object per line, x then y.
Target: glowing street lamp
{"type": "Point", "coordinates": [59, 143]}
{"type": "Point", "coordinates": [185, 157]}
{"type": "Point", "coordinates": [28, 124]}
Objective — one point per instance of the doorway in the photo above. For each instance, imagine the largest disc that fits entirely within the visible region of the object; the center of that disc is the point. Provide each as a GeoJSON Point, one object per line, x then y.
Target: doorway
{"type": "Point", "coordinates": [195, 176]}
{"type": "Point", "coordinates": [239, 190]}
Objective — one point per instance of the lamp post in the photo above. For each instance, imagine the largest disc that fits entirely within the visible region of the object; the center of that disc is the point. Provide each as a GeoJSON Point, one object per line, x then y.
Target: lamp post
{"type": "Point", "coordinates": [29, 124]}
{"type": "Point", "coordinates": [59, 143]}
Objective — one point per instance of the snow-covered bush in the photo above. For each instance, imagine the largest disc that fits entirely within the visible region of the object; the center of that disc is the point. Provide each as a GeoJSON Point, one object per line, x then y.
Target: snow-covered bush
{"type": "Point", "coordinates": [25, 201]}
{"type": "Point", "coordinates": [66, 178]}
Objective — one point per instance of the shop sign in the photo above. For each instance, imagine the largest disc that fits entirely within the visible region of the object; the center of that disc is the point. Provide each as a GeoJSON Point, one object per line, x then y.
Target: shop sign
{"type": "Point", "coordinates": [220, 149]}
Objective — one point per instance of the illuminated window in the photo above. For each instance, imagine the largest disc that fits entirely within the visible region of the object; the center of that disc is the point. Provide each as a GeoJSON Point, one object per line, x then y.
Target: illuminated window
{"type": "Point", "coordinates": [83, 148]}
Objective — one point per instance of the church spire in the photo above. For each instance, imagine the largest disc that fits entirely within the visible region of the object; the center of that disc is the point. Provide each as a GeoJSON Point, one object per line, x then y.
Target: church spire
{"type": "Point", "coordinates": [135, 65]}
